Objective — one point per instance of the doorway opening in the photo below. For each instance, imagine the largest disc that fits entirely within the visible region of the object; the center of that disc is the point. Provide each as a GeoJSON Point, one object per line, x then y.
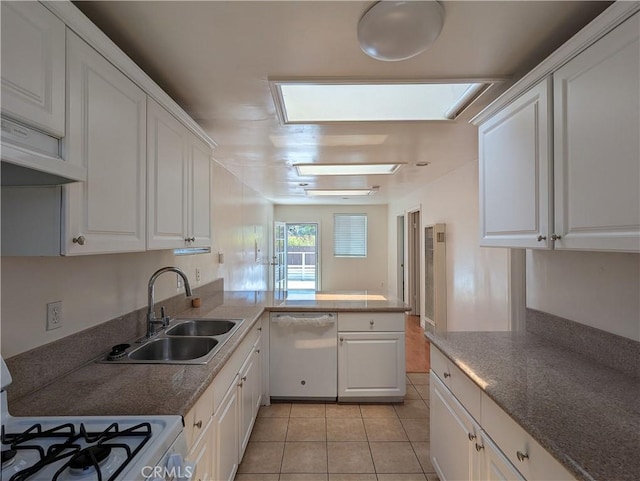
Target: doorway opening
{"type": "Point", "coordinates": [301, 256]}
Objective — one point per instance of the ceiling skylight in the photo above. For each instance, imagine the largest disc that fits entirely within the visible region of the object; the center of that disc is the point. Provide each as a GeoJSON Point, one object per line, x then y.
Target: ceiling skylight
{"type": "Point", "coordinates": [347, 169]}
{"type": "Point", "coordinates": [338, 192]}
{"type": "Point", "coordinates": [319, 102]}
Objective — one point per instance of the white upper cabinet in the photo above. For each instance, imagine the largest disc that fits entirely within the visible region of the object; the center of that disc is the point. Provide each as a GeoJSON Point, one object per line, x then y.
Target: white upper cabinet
{"type": "Point", "coordinates": [199, 226]}
{"type": "Point", "coordinates": [596, 151]}
{"type": "Point", "coordinates": [560, 163]}
{"type": "Point", "coordinates": [106, 134]}
{"type": "Point", "coordinates": [167, 179]}
{"type": "Point", "coordinates": [515, 172]}
{"type": "Point", "coordinates": [179, 179]}
{"type": "Point", "coordinates": [33, 66]}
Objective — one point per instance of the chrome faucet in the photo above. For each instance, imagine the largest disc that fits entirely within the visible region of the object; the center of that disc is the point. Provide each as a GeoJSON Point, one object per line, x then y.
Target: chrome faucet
{"type": "Point", "coordinates": [151, 315]}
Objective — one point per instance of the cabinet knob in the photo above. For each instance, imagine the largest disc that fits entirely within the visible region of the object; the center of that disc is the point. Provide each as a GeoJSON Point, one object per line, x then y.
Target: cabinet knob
{"type": "Point", "coordinates": [198, 424]}
{"type": "Point", "coordinates": [342, 339]}
{"type": "Point", "coordinates": [189, 239]}
{"type": "Point", "coordinates": [259, 329]}
{"type": "Point", "coordinates": [80, 240]}
{"type": "Point", "coordinates": [522, 456]}
{"type": "Point", "coordinates": [472, 436]}
{"type": "Point", "coordinates": [257, 351]}
{"type": "Point", "coordinates": [479, 447]}
{"type": "Point", "coordinates": [244, 378]}
{"type": "Point", "coordinates": [446, 375]}
{"type": "Point", "coordinates": [541, 238]}
{"type": "Point", "coordinates": [371, 322]}
{"type": "Point", "coordinates": [555, 237]}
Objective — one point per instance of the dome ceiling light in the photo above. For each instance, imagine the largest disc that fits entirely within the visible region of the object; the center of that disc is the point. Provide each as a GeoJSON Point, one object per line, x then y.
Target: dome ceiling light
{"type": "Point", "coordinates": [396, 30]}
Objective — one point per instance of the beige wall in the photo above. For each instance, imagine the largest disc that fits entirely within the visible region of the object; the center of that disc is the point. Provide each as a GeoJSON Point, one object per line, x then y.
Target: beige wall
{"type": "Point", "coordinates": [97, 288]}
{"type": "Point", "coordinates": [340, 273]}
{"type": "Point", "coordinates": [598, 289]}
{"type": "Point", "coordinates": [477, 277]}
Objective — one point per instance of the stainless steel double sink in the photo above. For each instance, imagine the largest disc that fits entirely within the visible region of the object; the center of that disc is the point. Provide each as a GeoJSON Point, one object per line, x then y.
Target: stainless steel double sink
{"type": "Point", "coordinates": [185, 341]}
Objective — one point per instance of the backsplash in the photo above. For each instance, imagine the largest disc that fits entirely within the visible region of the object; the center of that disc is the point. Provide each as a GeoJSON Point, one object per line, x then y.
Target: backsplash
{"type": "Point", "coordinates": [33, 369]}
{"type": "Point", "coordinates": [611, 350]}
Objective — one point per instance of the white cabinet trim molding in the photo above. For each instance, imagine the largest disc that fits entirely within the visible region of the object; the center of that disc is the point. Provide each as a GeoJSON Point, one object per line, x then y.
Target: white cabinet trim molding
{"type": "Point", "coordinates": [598, 28]}
{"type": "Point", "coordinates": [86, 30]}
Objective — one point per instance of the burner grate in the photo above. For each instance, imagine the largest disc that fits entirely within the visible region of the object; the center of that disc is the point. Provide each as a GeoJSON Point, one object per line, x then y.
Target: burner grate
{"type": "Point", "coordinates": [71, 452]}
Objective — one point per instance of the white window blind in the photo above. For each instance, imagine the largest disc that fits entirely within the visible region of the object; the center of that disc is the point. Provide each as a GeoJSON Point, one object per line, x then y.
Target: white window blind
{"type": "Point", "coordinates": [350, 235]}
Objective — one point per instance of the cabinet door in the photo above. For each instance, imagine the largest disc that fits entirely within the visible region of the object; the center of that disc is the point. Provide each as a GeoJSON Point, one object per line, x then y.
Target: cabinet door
{"type": "Point", "coordinates": [225, 436]}
{"type": "Point", "coordinates": [455, 437]}
{"type": "Point", "coordinates": [250, 390]}
{"type": "Point", "coordinates": [371, 364]}
{"type": "Point", "coordinates": [167, 177]}
{"type": "Point", "coordinates": [106, 134]}
{"type": "Point", "coordinates": [33, 66]}
{"type": "Point", "coordinates": [597, 153]}
{"type": "Point", "coordinates": [199, 193]}
{"type": "Point", "coordinates": [515, 173]}
{"type": "Point", "coordinates": [494, 465]}
{"type": "Point", "coordinates": [201, 456]}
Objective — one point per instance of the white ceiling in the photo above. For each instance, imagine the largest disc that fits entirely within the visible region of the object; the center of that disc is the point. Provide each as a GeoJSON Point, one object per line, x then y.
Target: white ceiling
{"type": "Point", "coordinates": [215, 59]}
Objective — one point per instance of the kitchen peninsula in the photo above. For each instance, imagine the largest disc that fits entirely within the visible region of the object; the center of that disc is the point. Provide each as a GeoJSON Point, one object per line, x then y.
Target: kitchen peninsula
{"type": "Point", "coordinates": [166, 388]}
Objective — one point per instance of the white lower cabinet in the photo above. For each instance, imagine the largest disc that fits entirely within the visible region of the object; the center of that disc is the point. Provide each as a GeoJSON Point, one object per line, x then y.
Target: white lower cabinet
{"type": "Point", "coordinates": [454, 436]}
{"type": "Point", "coordinates": [371, 359]}
{"type": "Point", "coordinates": [485, 446]}
{"type": "Point", "coordinates": [198, 429]}
{"type": "Point", "coordinates": [226, 436]}
{"type": "Point", "coordinates": [495, 466]}
{"type": "Point", "coordinates": [239, 388]}
{"type": "Point", "coordinates": [200, 456]}
{"type": "Point", "coordinates": [250, 395]}
{"type": "Point", "coordinates": [371, 364]}
{"type": "Point", "coordinates": [219, 425]}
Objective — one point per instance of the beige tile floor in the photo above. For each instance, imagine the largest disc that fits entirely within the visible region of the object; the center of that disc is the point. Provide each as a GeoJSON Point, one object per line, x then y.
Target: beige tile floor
{"type": "Point", "coordinates": [343, 442]}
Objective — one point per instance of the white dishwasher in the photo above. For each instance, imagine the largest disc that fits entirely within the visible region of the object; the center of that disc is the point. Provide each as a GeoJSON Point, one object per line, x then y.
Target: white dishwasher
{"type": "Point", "coordinates": [303, 351]}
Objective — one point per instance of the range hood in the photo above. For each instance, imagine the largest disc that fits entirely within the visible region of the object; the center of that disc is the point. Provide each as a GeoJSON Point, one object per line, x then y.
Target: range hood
{"type": "Point", "coordinates": [30, 157]}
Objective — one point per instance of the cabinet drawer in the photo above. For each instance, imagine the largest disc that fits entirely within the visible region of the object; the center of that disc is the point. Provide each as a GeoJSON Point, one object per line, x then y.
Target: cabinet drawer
{"type": "Point", "coordinates": [460, 385]}
{"type": "Point", "coordinates": [512, 439]}
{"type": "Point", "coordinates": [198, 417]}
{"type": "Point", "coordinates": [371, 321]}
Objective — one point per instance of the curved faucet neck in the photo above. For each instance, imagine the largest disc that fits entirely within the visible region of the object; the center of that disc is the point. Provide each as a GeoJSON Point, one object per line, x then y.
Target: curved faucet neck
{"type": "Point", "coordinates": [151, 316]}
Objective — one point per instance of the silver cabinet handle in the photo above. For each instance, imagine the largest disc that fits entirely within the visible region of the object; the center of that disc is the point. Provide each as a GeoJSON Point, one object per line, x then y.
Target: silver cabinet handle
{"type": "Point", "coordinates": [522, 456]}
{"type": "Point", "coordinates": [555, 237]}
{"type": "Point", "coordinates": [446, 375]}
{"type": "Point", "coordinates": [541, 238]}
{"type": "Point", "coordinates": [80, 240]}
{"type": "Point", "coordinates": [472, 436]}
{"type": "Point", "coordinates": [198, 424]}
{"type": "Point", "coordinates": [479, 447]}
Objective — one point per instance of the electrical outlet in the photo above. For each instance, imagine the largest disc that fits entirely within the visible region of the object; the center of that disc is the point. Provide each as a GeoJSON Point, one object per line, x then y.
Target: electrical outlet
{"type": "Point", "coordinates": [54, 315]}
{"type": "Point", "coordinates": [197, 275]}
{"type": "Point", "coordinates": [179, 282]}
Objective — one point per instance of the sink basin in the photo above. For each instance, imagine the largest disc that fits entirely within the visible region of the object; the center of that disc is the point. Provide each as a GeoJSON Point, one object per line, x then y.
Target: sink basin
{"type": "Point", "coordinates": [203, 327]}
{"type": "Point", "coordinates": [170, 349]}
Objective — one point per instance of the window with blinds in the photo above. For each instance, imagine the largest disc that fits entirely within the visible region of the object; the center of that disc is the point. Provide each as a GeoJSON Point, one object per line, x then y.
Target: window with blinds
{"type": "Point", "coordinates": [350, 235]}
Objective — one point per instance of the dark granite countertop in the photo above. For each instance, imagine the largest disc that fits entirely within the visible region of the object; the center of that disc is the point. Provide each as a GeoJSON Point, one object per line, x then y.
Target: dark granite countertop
{"type": "Point", "coordinates": [585, 414]}
{"type": "Point", "coordinates": [147, 389]}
